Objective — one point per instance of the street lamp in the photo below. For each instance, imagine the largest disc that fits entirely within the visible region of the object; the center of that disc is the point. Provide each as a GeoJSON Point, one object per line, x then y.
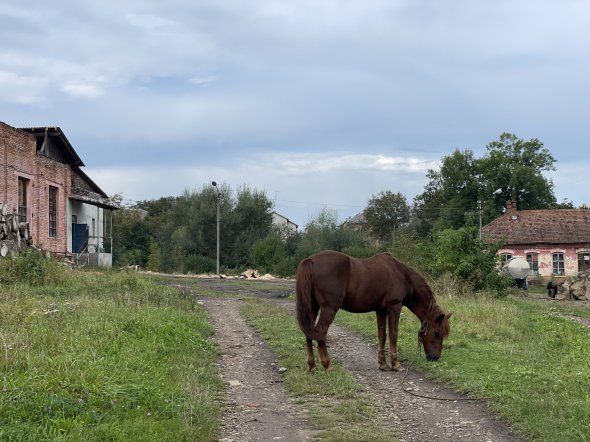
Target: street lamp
{"type": "Point", "coordinates": [214, 184]}
{"type": "Point", "coordinates": [480, 208]}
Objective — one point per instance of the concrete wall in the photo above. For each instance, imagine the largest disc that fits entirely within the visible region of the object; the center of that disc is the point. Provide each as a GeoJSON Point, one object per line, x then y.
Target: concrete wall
{"type": "Point", "coordinates": [90, 215]}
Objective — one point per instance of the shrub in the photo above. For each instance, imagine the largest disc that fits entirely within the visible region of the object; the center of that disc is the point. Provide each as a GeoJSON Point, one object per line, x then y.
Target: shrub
{"type": "Point", "coordinates": [268, 253]}
{"type": "Point", "coordinates": [198, 264]}
{"type": "Point", "coordinates": [32, 267]}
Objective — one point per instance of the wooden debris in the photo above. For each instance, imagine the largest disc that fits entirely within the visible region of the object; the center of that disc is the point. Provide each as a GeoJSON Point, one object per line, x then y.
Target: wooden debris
{"type": "Point", "coordinates": [15, 237]}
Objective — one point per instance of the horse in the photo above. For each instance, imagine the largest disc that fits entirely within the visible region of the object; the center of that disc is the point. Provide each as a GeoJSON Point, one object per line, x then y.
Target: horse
{"type": "Point", "coordinates": [330, 280]}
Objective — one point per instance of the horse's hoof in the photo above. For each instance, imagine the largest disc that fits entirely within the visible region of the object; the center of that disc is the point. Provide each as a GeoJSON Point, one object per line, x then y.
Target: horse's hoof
{"type": "Point", "coordinates": [330, 367]}
{"type": "Point", "coordinates": [398, 368]}
{"type": "Point", "coordinates": [385, 368]}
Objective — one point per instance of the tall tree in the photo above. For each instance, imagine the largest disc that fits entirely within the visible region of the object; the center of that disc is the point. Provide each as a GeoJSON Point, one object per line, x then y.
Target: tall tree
{"type": "Point", "coordinates": [513, 168]}
{"type": "Point", "coordinates": [385, 213]}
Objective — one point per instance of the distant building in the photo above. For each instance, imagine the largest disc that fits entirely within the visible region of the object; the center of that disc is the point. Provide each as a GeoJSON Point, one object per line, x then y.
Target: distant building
{"type": "Point", "coordinates": [41, 179]}
{"type": "Point", "coordinates": [284, 225]}
{"type": "Point", "coordinates": [555, 242]}
{"type": "Point", "coordinates": [356, 222]}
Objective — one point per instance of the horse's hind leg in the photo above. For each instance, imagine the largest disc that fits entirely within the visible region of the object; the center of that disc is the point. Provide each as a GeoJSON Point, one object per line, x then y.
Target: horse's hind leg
{"type": "Point", "coordinates": [381, 333]}
{"type": "Point", "coordinates": [324, 321]}
{"type": "Point", "coordinates": [310, 357]}
{"type": "Point", "coordinates": [393, 321]}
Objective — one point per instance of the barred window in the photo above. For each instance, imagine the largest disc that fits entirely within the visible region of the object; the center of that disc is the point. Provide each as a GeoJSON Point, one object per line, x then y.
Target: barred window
{"type": "Point", "coordinates": [52, 212]}
{"type": "Point", "coordinates": [23, 188]}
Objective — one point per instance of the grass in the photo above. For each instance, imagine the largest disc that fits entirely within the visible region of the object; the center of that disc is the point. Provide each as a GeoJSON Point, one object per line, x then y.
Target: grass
{"type": "Point", "coordinates": [337, 405]}
{"type": "Point", "coordinates": [531, 363]}
{"type": "Point", "coordinates": [105, 356]}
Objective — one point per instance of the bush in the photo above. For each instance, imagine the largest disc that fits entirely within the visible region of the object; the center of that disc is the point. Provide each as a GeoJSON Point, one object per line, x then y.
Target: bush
{"type": "Point", "coordinates": [32, 267]}
{"type": "Point", "coordinates": [199, 264]}
{"type": "Point", "coordinates": [267, 254]}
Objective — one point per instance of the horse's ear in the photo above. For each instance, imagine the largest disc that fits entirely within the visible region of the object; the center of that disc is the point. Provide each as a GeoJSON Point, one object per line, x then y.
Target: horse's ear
{"type": "Point", "coordinates": [440, 317]}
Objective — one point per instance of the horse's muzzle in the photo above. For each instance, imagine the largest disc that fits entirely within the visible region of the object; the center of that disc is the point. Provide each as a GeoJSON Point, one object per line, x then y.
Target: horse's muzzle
{"type": "Point", "coordinates": [431, 357]}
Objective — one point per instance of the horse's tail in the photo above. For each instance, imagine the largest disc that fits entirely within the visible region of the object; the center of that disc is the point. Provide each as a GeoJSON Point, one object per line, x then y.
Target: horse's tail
{"type": "Point", "coordinates": [303, 302]}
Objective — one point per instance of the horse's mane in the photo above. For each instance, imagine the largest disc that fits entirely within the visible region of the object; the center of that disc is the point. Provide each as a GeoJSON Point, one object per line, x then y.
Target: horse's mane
{"type": "Point", "coordinates": [422, 290]}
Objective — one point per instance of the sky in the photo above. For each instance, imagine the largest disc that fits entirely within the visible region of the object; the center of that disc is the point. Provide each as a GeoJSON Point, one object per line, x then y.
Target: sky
{"type": "Point", "coordinates": [322, 104]}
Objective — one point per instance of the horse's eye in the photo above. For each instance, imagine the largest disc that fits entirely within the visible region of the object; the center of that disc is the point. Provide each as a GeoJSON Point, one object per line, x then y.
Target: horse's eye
{"type": "Point", "coordinates": [437, 334]}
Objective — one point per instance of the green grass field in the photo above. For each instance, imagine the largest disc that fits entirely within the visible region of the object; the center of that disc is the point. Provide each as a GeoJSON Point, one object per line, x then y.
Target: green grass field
{"type": "Point", "coordinates": [105, 357]}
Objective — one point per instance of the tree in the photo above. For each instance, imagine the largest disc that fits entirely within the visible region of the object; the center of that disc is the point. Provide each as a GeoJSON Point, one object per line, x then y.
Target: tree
{"type": "Point", "coordinates": [250, 221]}
{"type": "Point", "coordinates": [512, 169]}
{"type": "Point", "coordinates": [386, 213]}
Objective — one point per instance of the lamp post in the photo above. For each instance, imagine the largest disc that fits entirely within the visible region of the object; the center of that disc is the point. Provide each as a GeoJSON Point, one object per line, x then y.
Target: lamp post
{"type": "Point", "coordinates": [480, 208]}
{"type": "Point", "coordinates": [214, 184]}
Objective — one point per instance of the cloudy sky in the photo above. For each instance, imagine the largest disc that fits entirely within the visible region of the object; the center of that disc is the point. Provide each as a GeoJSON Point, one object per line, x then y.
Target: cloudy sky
{"type": "Point", "coordinates": [320, 103]}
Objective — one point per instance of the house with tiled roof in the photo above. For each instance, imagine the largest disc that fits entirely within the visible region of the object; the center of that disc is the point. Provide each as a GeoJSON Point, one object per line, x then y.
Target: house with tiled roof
{"type": "Point", "coordinates": [356, 222]}
{"type": "Point", "coordinates": [555, 242]}
{"type": "Point", "coordinates": [42, 181]}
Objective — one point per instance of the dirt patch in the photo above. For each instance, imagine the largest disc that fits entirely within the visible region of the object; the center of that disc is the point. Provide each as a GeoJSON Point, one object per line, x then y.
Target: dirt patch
{"type": "Point", "coordinates": [259, 409]}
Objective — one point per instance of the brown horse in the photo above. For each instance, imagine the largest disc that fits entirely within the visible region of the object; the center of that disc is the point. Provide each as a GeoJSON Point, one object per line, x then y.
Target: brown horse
{"type": "Point", "coordinates": [328, 281]}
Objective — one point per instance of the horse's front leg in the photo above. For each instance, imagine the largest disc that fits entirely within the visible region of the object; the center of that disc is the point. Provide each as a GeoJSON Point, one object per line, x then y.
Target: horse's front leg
{"type": "Point", "coordinates": [393, 321]}
{"type": "Point", "coordinates": [381, 333]}
{"type": "Point", "coordinates": [310, 357]}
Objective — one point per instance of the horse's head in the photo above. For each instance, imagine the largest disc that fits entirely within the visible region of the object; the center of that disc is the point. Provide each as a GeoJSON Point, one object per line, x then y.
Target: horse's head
{"type": "Point", "coordinates": [431, 335]}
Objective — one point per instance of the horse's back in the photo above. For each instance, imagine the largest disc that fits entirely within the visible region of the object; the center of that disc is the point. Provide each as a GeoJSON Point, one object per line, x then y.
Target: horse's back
{"type": "Point", "coordinates": [330, 270]}
{"type": "Point", "coordinates": [357, 285]}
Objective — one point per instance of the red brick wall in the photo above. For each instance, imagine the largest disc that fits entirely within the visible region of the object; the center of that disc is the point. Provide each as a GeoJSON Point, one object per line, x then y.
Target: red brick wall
{"type": "Point", "coordinates": [18, 157]}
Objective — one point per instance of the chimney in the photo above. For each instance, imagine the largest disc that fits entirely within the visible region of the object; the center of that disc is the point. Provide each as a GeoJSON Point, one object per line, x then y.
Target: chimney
{"type": "Point", "coordinates": [510, 206]}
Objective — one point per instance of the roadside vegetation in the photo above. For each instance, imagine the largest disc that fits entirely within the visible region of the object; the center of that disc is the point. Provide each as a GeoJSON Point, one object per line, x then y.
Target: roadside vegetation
{"type": "Point", "coordinates": [102, 356]}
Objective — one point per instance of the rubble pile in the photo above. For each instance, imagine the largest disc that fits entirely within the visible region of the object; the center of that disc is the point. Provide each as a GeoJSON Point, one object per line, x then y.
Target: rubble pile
{"type": "Point", "coordinates": [576, 287]}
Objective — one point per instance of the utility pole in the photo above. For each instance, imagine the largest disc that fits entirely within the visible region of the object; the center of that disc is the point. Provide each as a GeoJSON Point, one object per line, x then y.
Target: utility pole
{"type": "Point", "coordinates": [218, 224]}
{"type": "Point", "coordinates": [479, 209]}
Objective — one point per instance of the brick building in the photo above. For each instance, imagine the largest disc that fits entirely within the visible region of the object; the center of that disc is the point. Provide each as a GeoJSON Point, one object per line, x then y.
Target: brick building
{"type": "Point", "coordinates": [41, 179]}
{"type": "Point", "coordinates": [556, 243]}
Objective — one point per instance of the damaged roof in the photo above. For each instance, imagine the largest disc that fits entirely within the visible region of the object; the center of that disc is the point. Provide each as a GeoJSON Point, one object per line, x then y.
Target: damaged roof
{"type": "Point", "coordinates": [59, 139]}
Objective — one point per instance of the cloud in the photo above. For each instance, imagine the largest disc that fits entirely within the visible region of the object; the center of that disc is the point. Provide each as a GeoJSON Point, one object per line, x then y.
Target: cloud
{"type": "Point", "coordinates": [300, 184]}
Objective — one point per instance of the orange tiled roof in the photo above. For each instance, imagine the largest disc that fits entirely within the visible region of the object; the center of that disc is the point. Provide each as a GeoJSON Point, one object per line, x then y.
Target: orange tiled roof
{"type": "Point", "coordinates": [559, 226]}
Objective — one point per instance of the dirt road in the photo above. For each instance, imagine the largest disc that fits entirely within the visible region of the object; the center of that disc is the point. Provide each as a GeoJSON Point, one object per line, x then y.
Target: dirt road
{"type": "Point", "coordinates": [258, 408]}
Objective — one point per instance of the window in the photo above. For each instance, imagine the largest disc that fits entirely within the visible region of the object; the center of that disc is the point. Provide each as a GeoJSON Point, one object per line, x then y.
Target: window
{"type": "Point", "coordinates": [23, 187]}
{"type": "Point", "coordinates": [52, 212]}
{"type": "Point", "coordinates": [533, 260]}
{"type": "Point", "coordinates": [558, 264]}
{"type": "Point", "coordinates": [583, 261]}
{"type": "Point", "coordinates": [505, 257]}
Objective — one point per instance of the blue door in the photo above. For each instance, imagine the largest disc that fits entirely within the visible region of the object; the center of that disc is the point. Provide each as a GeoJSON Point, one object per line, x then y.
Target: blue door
{"type": "Point", "coordinates": [79, 237]}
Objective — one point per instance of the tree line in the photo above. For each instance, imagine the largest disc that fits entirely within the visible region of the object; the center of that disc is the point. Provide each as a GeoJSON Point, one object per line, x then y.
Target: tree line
{"type": "Point", "coordinates": [437, 232]}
